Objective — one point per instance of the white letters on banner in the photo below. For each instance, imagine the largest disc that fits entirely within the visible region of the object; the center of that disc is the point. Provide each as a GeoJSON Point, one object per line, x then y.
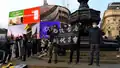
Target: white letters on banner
{"type": "Point", "coordinates": [36, 15]}
{"type": "Point", "coordinates": [68, 35]}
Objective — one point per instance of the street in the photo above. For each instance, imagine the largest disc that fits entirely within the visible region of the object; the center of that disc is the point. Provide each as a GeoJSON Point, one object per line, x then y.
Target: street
{"type": "Point", "coordinates": [36, 63]}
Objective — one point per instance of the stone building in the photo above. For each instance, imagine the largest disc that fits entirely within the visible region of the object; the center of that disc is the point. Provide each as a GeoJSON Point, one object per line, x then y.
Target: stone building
{"type": "Point", "coordinates": [111, 20]}
{"type": "Point", "coordinates": [54, 13]}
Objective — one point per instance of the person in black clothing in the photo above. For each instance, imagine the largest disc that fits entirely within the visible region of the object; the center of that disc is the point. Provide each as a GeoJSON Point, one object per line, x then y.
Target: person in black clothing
{"type": "Point", "coordinates": [95, 39]}
{"type": "Point", "coordinates": [6, 49]}
{"type": "Point", "coordinates": [24, 47]}
{"type": "Point", "coordinates": [76, 47]}
{"type": "Point", "coordinates": [53, 32]}
{"type": "Point", "coordinates": [10, 43]}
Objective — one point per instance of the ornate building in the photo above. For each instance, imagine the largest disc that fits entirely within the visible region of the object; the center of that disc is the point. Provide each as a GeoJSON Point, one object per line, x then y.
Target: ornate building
{"type": "Point", "coordinates": [111, 20]}
{"type": "Point", "coordinates": [54, 13]}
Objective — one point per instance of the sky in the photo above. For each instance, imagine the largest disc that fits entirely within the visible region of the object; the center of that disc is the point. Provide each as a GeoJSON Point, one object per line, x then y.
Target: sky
{"type": "Point", "coordinates": [11, 5]}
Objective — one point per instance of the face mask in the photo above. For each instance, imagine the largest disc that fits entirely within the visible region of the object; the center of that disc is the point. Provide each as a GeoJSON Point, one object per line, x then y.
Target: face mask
{"type": "Point", "coordinates": [94, 26]}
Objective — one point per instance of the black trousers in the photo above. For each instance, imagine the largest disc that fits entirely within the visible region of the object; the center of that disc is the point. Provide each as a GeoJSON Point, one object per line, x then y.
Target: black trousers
{"type": "Point", "coordinates": [7, 54]}
{"type": "Point", "coordinates": [51, 53]}
{"type": "Point", "coordinates": [16, 52]}
{"type": "Point", "coordinates": [72, 49]}
{"type": "Point", "coordinates": [94, 48]}
{"type": "Point", "coordinates": [34, 49]}
{"type": "Point", "coordinates": [3, 56]}
{"type": "Point", "coordinates": [24, 56]}
{"type": "Point", "coordinates": [29, 52]}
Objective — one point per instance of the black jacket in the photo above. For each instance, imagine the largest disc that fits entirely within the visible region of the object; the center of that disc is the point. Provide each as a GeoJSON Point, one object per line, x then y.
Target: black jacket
{"type": "Point", "coordinates": [95, 35]}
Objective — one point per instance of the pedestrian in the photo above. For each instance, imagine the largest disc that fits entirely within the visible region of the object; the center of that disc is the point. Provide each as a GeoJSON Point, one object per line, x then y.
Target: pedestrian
{"type": "Point", "coordinates": [95, 40]}
{"type": "Point", "coordinates": [21, 47]}
{"type": "Point", "coordinates": [53, 32]}
{"type": "Point", "coordinates": [13, 47]}
{"type": "Point", "coordinates": [24, 47]}
{"type": "Point", "coordinates": [5, 48]}
{"type": "Point", "coordinates": [9, 47]}
{"type": "Point", "coordinates": [118, 41]}
{"type": "Point", "coordinates": [76, 46]}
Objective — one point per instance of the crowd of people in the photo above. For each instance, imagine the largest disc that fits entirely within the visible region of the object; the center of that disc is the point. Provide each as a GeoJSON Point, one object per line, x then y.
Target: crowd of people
{"type": "Point", "coordinates": [23, 46]}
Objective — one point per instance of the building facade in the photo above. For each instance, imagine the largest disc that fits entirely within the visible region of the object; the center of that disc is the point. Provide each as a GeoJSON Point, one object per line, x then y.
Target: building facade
{"type": "Point", "coordinates": [54, 13]}
{"type": "Point", "coordinates": [111, 21]}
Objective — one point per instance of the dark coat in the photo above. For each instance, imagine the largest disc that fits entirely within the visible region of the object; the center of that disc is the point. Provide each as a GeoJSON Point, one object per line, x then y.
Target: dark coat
{"type": "Point", "coordinates": [29, 43]}
{"type": "Point", "coordinates": [95, 36]}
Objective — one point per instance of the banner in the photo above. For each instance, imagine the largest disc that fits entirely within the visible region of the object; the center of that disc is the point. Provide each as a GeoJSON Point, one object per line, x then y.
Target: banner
{"type": "Point", "coordinates": [26, 16]}
{"type": "Point", "coordinates": [44, 26]}
{"type": "Point", "coordinates": [68, 35]}
{"type": "Point", "coordinates": [31, 15]}
{"type": "Point", "coordinates": [16, 30]}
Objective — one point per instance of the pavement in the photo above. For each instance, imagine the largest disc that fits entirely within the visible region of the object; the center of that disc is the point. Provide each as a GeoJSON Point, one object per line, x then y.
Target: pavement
{"type": "Point", "coordinates": [42, 63]}
{"type": "Point", "coordinates": [108, 61]}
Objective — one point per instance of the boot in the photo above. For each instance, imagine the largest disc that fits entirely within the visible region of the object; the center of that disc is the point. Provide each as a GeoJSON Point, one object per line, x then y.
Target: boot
{"type": "Point", "coordinates": [49, 61]}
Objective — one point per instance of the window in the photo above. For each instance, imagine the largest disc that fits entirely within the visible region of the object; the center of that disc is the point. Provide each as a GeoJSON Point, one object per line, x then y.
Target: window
{"type": "Point", "coordinates": [117, 7]}
{"type": "Point", "coordinates": [119, 20]}
{"type": "Point", "coordinates": [114, 19]}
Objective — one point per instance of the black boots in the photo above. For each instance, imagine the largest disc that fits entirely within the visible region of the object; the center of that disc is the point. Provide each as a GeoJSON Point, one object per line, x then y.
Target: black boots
{"type": "Point", "coordinates": [49, 61]}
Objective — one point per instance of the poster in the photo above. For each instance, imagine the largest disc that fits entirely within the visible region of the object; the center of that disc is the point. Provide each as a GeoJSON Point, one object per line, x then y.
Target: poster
{"type": "Point", "coordinates": [31, 15]}
{"type": "Point", "coordinates": [16, 30]}
{"type": "Point", "coordinates": [36, 30]}
{"type": "Point", "coordinates": [44, 26]}
{"type": "Point", "coordinates": [16, 17]}
{"type": "Point", "coordinates": [25, 16]}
